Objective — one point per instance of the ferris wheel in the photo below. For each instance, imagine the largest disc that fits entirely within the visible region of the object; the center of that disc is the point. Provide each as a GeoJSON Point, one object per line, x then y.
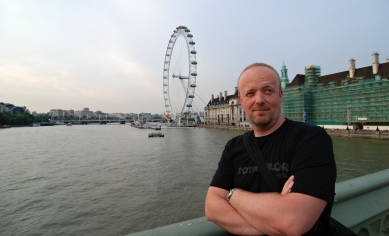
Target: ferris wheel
{"type": "Point", "coordinates": [179, 76]}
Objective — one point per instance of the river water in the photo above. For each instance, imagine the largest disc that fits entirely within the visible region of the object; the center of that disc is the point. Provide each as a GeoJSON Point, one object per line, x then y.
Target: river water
{"type": "Point", "coordinates": [114, 180]}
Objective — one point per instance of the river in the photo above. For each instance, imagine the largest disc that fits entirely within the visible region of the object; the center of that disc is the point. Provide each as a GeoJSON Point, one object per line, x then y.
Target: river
{"type": "Point", "coordinates": [114, 180]}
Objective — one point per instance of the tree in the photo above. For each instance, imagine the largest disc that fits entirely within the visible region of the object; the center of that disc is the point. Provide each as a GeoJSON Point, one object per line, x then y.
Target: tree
{"type": "Point", "coordinates": [11, 119]}
{"type": "Point", "coordinates": [4, 119]}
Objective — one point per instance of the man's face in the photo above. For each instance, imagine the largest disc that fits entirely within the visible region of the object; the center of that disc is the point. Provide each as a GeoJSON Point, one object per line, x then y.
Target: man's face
{"type": "Point", "coordinates": [260, 96]}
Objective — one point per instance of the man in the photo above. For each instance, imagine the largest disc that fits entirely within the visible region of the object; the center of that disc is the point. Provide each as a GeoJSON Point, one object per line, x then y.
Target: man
{"type": "Point", "coordinates": [298, 155]}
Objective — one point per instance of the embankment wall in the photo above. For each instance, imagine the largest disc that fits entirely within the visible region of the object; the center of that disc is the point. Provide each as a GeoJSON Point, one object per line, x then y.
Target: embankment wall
{"type": "Point", "coordinates": [332, 132]}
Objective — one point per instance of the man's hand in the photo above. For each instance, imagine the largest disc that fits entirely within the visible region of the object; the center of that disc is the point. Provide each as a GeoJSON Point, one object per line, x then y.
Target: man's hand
{"type": "Point", "coordinates": [278, 214]}
{"type": "Point", "coordinates": [288, 185]}
{"type": "Point", "coordinates": [219, 211]}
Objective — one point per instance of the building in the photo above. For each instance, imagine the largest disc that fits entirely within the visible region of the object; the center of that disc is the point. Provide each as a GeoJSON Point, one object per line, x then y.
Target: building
{"type": "Point", "coordinates": [225, 110]}
{"type": "Point", "coordinates": [34, 113]}
{"type": "Point", "coordinates": [56, 112]}
{"type": "Point", "coordinates": [356, 97]}
{"type": "Point", "coordinates": [118, 115]}
{"type": "Point", "coordinates": [84, 113]}
{"type": "Point", "coordinates": [12, 109]}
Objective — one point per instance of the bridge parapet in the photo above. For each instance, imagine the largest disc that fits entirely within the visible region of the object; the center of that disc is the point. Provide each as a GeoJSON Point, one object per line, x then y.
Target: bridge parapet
{"type": "Point", "coordinates": [361, 204]}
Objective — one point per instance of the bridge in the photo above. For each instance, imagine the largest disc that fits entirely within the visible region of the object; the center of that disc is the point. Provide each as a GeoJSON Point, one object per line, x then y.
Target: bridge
{"type": "Point", "coordinates": [101, 121]}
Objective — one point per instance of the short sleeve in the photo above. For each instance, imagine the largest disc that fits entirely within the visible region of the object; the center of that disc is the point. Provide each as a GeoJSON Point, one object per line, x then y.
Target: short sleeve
{"type": "Point", "coordinates": [313, 164]}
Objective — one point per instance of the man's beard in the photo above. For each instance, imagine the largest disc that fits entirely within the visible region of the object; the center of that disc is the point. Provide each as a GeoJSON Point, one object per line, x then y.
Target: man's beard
{"type": "Point", "coordinates": [262, 121]}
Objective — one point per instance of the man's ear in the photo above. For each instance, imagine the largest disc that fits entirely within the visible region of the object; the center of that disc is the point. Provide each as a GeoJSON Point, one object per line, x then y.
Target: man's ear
{"type": "Point", "coordinates": [239, 98]}
{"type": "Point", "coordinates": [281, 95]}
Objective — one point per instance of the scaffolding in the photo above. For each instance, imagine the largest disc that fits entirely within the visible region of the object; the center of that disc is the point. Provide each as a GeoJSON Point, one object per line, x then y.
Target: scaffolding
{"type": "Point", "coordinates": [356, 101]}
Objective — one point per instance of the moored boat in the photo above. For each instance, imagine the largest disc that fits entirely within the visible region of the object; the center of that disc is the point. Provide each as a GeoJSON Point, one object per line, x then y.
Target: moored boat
{"type": "Point", "coordinates": [156, 134]}
{"type": "Point", "coordinates": [47, 124]}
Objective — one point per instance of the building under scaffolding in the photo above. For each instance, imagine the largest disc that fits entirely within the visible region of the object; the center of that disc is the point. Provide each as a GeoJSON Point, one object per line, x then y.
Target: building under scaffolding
{"type": "Point", "coordinates": [355, 98]}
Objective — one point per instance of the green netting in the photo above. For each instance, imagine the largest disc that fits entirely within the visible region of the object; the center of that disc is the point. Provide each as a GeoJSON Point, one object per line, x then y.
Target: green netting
{"type": "Point", "coordinates": [366, 99]}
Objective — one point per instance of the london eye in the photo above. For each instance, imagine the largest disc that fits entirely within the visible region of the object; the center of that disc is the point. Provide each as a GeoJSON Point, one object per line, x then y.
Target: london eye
{"type": "Point", "coordinates": [179, 76]}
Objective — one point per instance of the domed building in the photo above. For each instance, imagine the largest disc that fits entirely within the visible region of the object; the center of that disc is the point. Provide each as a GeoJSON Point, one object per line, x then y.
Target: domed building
{"type": "Point", "coordinates": [12, 109]}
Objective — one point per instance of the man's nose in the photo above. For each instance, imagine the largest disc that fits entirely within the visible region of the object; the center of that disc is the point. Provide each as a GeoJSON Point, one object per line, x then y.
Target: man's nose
{"type": "Point", "coordinates": [259, 98]}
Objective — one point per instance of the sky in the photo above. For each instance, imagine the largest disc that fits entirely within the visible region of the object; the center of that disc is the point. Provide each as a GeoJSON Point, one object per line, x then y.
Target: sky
{"type": "Point", "coordinates": [109, 55]}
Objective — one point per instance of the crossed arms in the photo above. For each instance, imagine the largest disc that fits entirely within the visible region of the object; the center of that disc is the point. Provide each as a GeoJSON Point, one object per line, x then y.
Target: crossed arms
{"type": "Point", "coordinates": [263, 213]}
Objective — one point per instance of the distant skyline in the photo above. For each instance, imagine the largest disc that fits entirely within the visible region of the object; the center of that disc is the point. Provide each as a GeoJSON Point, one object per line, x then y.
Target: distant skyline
{"type": "Point", "coordinates": [109, 55]}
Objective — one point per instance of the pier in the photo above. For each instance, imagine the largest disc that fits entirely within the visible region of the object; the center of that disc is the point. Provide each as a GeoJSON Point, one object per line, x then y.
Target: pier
{"type": "Point", "coordinates": [102, 121]}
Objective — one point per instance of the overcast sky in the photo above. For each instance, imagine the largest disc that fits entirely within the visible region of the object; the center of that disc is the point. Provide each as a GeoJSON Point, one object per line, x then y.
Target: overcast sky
{"type": "Point", "coordinates": [109, 55]}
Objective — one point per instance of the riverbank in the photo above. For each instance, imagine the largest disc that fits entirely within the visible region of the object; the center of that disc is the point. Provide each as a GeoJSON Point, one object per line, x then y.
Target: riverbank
{"type": "Point", "coordinates": [371, 134]}
{"type": "Point", "coordinates": [359, 134]}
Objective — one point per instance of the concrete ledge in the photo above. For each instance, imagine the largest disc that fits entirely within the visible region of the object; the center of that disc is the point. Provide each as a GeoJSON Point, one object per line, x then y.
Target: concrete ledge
{"type": "Point", "coordinates": [363, 203]}
{"type": "Point", "coordinates": [195, 227]}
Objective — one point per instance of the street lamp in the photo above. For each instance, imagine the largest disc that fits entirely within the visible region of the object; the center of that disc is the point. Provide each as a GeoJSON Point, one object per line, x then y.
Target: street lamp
{"type": "Point", "coordinates": [228, 120]}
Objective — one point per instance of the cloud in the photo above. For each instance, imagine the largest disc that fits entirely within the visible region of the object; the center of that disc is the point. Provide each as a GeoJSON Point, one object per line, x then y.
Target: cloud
{"type": "Point", "coordinates": [109, 55]}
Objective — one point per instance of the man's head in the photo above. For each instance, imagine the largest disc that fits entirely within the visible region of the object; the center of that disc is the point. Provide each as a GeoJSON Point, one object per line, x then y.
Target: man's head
{"type": "Point", "coordinates": [260, 64]}
{"type": "Point", "coordinates": [259, 92]}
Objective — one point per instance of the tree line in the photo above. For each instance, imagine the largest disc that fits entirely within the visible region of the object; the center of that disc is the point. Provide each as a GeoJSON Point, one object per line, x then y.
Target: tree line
{"type": "Point", "coordinates": [22, 119]}
{"type": "Point", "coordinates": [27, 119]}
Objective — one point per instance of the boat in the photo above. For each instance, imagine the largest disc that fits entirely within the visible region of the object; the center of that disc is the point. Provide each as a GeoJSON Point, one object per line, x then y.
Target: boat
{"type": "Point", "coordinates": [59, 123]}
{"type": "Point", "coordinates": [69, 124]}
{"type": "Point", "coordinates": [154, 125]}
{"type": "Point", "coordinates": [47, 124]}
{"type": "Point", "coordinates": [4, 126]}
{"type": "Point", "coordinates": [156, 134]}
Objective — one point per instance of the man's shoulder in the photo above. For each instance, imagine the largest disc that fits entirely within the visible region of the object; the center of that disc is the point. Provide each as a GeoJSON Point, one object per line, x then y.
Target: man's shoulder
{"type": "Point", "coordinates": [303, 132]}
{"type": "Point", "coordinates": [301, 126]}
{"type": "Point", "coordinates": [237, 139]}
{"type": "Point", "coordinates": [236, 143]}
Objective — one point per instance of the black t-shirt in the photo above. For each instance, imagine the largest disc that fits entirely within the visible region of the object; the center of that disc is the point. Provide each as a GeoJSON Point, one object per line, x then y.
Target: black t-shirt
{"type": "Point", "coordinates": [295, 148]}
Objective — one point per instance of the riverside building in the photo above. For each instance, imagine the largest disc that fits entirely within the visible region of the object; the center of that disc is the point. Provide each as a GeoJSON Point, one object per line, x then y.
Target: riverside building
{"type": "Point", "coordinates": [12, 109]}
{"type": "Point", "coordinates": [357, 98]}
{"type": "Point", "coordinates": [225, 110]}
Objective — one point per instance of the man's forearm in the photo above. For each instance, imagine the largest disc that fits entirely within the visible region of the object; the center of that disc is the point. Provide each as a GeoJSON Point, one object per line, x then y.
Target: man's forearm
{"type": "Point", "coordinates": [276, 214]}
{"type": "Point", "coordinates": [219, 211]}
{"type": "Point", "coordinates": [254, 214]}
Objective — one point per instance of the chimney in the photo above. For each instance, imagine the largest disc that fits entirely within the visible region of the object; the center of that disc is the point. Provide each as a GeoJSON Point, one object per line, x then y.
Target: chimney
{"type": "Point", "coordinates": [376, 63]}
{"type": "Point", "coordinates": [236, 88]}
{"type": "Point", "coordinates": [220, 97]}
{"type": "Point", "coordinates": [352, 68]}
{"type": "Point", "coordinates": [212, 97]}
{"type": "Point", "coordinates": [225, 95]}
